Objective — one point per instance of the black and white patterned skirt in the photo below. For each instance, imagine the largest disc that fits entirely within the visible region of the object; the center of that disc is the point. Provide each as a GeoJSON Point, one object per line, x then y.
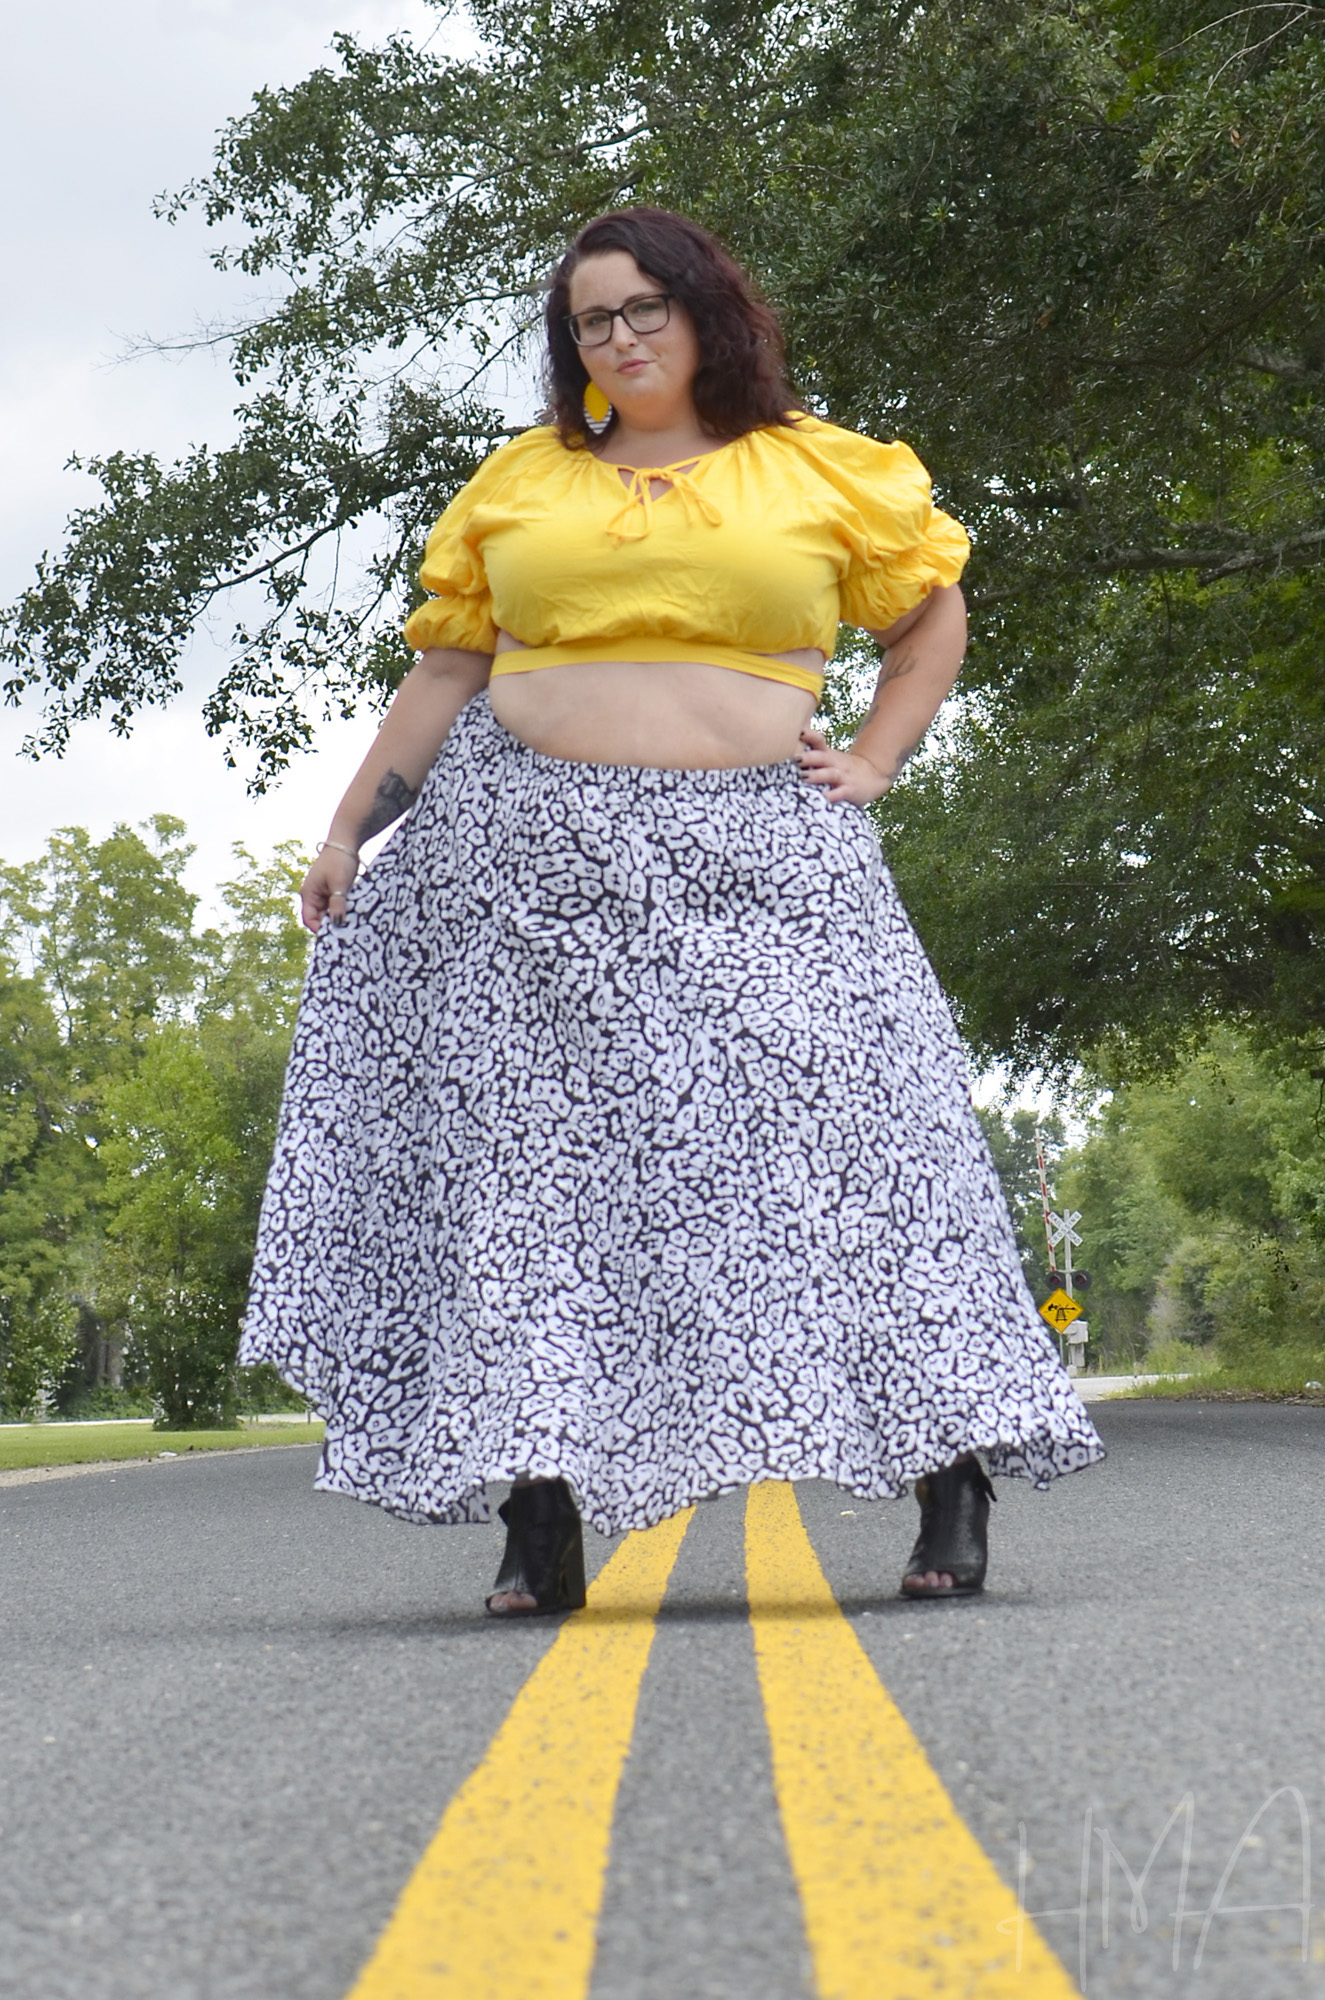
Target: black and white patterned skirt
{"type": "Point", "coordinates": [627, 1136]}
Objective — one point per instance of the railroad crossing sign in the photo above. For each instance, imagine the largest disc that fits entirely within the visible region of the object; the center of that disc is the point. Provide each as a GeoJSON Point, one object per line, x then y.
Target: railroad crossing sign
{"type": "Point", "coordinates": [1063, 1229]}
{"type": "Point", "coordinates": [1060, 1310]}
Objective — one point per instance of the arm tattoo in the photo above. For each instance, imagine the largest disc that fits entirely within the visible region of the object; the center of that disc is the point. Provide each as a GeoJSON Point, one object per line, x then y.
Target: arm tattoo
{"type": "Point", "coordinates": [392, 798]}
{"type": "Point", "coordinates": [894, 666]}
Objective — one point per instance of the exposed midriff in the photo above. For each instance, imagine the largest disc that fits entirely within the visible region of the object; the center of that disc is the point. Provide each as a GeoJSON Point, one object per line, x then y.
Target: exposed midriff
{"type": "Point", "coordinates": [682, 714]}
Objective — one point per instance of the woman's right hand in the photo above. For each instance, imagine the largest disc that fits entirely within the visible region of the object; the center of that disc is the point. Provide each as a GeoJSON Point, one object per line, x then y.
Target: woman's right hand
{"type": "Point", "coordinates": [326, 886]}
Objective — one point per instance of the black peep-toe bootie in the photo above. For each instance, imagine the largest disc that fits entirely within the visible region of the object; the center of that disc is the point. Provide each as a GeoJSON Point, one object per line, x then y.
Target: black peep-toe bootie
{"type": "Point", "coordinates": [544, 1556]}
{"type": "Point", "coordinates": [954, 1530]}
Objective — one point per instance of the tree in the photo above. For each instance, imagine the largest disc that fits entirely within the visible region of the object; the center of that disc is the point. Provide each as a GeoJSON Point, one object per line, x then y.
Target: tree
{"type": "Point", "coordinates": [189, 1134]}
{"type": "Point", "coordinates": [1073, 253]}
{"type": "Point", "coordinates": [140, 1075]}
{"type": "Point", "coordinates": [1203, 1197]}
{"type": "Point", "coordinates": [46, 1177]}
{"type": "Point", "coordinates": [98, 942]}
{"type": "Point", "coordinates": [258, 962]}
{"type": "Point", "coordinates": [107, 926]}
{"type": "Point", "coordinates": [1133, 854]}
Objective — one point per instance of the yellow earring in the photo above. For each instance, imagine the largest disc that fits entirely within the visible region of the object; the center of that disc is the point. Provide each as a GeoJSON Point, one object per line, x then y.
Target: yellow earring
{"type": "Point", "coordinates": [597, 409]}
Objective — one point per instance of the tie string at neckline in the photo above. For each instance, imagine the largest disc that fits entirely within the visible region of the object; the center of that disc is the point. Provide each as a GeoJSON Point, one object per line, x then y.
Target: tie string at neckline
{"type": "Point", "coordinates": [639, 496]}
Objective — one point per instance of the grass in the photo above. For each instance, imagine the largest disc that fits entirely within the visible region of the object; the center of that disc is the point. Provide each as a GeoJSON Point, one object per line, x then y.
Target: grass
{"type": "Point", "coordinates": [1274, 1375]}
{"type": "Point", "coordinates": [1177, 1357]}
{"type": "Point", "coordinates": [91, 1444]}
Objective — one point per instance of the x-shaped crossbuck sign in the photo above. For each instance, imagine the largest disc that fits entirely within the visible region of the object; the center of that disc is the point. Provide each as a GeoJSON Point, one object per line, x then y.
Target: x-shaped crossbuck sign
{"type": "Point", "coordinates": [1064, 1226]}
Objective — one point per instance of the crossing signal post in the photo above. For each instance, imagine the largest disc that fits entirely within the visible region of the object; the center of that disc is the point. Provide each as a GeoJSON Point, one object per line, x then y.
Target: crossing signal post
{"type": "Point", "coordinates": [1061, 1308]}
{"type": "Point", "coordinates": [1064, 1231]}
{"type": "Point", "coordinates": [1044, 1202]}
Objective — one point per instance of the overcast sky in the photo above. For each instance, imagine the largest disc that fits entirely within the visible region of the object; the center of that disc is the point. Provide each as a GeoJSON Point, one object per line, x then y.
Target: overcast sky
{"type": "Point", "coordinates": [101, 109]}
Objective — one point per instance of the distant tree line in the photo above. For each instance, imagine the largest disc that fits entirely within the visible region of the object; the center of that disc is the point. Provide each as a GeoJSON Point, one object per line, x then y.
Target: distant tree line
{"type": "Point", "coordinates": [141, 1060]}
{"type": "Point", "coordinates": [1202, 1196]}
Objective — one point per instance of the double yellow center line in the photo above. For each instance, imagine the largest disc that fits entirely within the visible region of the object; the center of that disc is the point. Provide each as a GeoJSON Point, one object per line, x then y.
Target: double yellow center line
{"type": "Point", "coordinates": [900, 1901]}
{"type": "Point", "coordinates": [504, 1904]}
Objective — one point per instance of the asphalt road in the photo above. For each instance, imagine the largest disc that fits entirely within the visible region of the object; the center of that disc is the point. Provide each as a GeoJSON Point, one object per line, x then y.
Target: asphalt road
{"type": "Point", "coordinates": [232, 1713]}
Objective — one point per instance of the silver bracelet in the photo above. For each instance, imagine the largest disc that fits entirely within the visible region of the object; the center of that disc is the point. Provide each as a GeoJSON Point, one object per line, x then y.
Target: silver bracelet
{"type": "Point", "coordinates": [340, 847]}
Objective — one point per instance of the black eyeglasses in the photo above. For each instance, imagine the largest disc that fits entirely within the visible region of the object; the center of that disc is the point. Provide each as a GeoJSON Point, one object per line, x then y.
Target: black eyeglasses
{"type": "Point", "coordinates": [646, 315]}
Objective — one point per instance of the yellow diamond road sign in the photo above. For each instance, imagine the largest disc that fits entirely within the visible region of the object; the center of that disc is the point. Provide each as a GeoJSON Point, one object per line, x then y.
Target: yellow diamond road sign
{"type": "Point", "coordinates": [1060, 1310]}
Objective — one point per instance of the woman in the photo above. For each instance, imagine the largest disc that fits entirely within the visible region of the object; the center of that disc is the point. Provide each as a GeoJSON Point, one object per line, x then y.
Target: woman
{"type": "Point", "coordinates": [627, 1145]}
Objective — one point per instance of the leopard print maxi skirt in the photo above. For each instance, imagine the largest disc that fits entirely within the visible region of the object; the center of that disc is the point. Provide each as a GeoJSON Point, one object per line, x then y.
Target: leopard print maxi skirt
{"type": "Point", "coordinates": [627, 1136]}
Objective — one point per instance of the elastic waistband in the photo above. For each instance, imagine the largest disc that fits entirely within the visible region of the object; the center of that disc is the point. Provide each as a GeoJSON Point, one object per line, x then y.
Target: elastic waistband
{"type": "Point", "coordinates": [583, 653]}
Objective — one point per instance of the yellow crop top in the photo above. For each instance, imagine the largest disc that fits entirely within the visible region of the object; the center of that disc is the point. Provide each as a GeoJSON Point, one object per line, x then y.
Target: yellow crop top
{"type": "Point", "coordinates": [762, 546]}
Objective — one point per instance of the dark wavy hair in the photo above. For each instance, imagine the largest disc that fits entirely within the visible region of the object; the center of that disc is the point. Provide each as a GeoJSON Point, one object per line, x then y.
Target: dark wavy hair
{"type": "Point", "coordinates": [741, 384]}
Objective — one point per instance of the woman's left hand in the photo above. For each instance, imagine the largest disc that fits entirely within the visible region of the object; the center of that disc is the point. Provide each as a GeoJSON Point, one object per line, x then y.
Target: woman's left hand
{"type": "Point", "coordinates": [846, 777]}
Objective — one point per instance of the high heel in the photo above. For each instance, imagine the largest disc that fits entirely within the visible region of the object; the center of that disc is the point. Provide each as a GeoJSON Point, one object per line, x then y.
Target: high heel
{"type": "Point", "coordinates": [544, 1555]}
{"type": "Point", "coordinates": [954, 1530]}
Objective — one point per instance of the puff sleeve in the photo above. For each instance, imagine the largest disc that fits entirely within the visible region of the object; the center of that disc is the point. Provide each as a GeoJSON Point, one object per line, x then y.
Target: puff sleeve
{"type": "Point", "coordinates": [900, 545]}
{"type": "Point", "coordinates": [459, 607]}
